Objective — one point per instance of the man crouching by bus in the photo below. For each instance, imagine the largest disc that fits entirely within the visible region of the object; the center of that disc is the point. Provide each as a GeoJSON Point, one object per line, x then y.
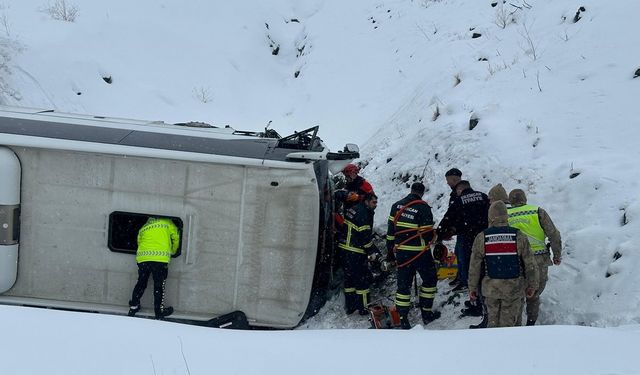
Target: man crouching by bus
{"type": "Point", "coordinates": [158, 239]}
{"type": "Point", "coordinates": [356, 242]}
{"type": "Point", "coordinates": [511, 271]}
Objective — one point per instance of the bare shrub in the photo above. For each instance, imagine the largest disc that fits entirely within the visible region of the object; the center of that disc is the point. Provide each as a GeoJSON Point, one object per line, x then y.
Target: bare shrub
{"type": "Point", "coordinates": [504, 17]}
{"type": "Point", "coordinates": [62, 11]}
{"type": "Point", "coordinates": [7, 48]}
{"type": "Point", "coordinates": [427, 3]}
{"type": "Point", "coordinates": [493, 69]}
{"type": "Point", "coordinates": [203, 94]}
{"type": "Point", "coordinates": [531, 48]}
{"type": "Point", "coordinates": [4, 19]}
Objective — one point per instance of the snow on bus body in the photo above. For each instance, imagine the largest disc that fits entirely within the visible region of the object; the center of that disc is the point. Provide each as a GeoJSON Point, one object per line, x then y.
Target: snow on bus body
{"type": "Point", "coordinates": [255, 215]}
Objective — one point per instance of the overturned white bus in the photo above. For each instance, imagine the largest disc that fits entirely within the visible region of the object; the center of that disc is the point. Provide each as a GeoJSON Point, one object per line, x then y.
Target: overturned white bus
{"type": "Point", "coordinates": [254, 209]}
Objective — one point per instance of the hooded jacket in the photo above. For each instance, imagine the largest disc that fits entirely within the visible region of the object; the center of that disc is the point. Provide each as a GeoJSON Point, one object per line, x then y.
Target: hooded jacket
{"type": "Point", "coordinates": [507, 288]}
{"type": "Point", "coordinates": [498, 193]}
{"type": "Point", "coordinates": [518, 198]}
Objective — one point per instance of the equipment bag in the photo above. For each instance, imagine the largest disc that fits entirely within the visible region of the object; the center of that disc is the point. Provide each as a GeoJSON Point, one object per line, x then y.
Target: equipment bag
{"type": "Point", "coordinates": [448, 269]}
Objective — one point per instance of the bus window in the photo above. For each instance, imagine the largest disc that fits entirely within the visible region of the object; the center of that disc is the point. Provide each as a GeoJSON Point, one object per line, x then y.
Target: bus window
{"type": "Point", "coordinates": [124, 227]}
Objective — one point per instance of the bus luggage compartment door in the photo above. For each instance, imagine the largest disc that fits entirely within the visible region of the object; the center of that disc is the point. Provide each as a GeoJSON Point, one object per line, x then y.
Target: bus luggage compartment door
{"type": "Point", "coordinates": [9, 217]}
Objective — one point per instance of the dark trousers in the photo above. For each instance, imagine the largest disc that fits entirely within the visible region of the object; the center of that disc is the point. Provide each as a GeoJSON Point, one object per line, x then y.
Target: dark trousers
{"type": "Point", "coordinates": [159, 271]}
{"type": "Point", "coordinates": [426, 268]}
{"type": "Point", "coordinates": [357, 279]}
{"type": "Point", "coordinates": [464, 260]}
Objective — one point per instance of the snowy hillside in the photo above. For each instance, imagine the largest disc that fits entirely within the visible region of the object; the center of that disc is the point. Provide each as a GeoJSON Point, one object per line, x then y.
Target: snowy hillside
{"type": "Point", "coordinates": [558, 119]}
{"type": "Point", "coordinates": [242, 63]}
{"type": "Point", "coordinates": [548, 89]}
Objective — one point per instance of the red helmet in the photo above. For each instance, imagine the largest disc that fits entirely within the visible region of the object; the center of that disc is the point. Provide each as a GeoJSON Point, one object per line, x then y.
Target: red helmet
{"type": "Point", "coordinates": [351, 168]}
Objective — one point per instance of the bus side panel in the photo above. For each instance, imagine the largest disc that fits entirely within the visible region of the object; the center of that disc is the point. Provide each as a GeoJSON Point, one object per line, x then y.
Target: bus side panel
{"type": "Point", "coordinates": [254, 253]}
{"type": "Point", "coordinates": [280, 232]}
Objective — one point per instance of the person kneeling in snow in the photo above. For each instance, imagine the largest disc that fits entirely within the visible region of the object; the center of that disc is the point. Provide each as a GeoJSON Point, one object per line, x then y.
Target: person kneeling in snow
{"type": "Point", "coordinates": [356, 241]}
{"type": "Point", "coordinates": [510, 267]}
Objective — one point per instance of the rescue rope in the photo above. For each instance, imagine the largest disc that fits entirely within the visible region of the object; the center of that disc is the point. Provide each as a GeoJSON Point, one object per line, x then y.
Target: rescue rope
{"type": "Point", "coordinates": [419, 233]}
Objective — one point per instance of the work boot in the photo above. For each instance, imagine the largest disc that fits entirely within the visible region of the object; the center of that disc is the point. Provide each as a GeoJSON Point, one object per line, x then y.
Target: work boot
{"type": "Point", "coordinates": [133, 310]}
{"type": "Point", "coordinates": [429, 316]}
{"type": "Point", "coordinates": [350, 303]}
{"type": "Point", "coordinates": [404, 321]}
{"type": "Point", "coordinates": [160, 315]}
{"type": "Point", "coordinates": [468, 303]}
{"type": "Point", "coordinates": [531, 322]}
{"type": "Point", "coordinates": [474, 310]}
{"type": "Point", "coordinates": [482, 324]}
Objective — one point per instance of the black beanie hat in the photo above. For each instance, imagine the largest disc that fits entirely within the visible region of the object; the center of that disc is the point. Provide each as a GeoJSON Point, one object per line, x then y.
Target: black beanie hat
{"type": "Point", "coordinates": [453, 172]}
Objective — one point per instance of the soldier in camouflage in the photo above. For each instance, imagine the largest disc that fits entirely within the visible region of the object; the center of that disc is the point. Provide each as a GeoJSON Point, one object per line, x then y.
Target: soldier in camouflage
{"type": "Point", "coordinates": [504, 253]}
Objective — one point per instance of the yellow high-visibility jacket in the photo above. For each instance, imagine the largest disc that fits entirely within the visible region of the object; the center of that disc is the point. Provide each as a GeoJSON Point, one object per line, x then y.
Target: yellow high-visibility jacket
{"type": "Point", "coordinates": [158, 239]}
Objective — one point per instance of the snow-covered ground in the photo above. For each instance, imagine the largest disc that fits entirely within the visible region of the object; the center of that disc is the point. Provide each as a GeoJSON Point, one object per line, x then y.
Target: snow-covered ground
{"type": "Point", "coordinates": [556, 104]}
{"type": "Point", "coordinates": [55, 342]}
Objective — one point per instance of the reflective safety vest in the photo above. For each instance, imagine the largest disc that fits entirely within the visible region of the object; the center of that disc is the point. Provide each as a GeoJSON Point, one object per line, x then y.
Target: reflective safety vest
{"type": "Point", "coordinates": [412, 229]}
{"type": "Point", "coordinates": [501, 253]}
{"type": "Point", "coordinates": [358, 236]}
{"type": "Point", "coordinates": [158, 239]}
{"type": "Point", "coordinates": [527, 220]}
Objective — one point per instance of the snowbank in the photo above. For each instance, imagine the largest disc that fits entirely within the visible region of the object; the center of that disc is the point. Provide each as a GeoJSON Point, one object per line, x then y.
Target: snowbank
{"type": "Point", "coordinates": [55, 342]}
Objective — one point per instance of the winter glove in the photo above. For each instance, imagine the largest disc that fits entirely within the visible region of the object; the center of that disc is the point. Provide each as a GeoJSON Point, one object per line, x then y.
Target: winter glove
{"type": "Point", "coordinates": [530, 292]}
{"type": "Point", "coordinates": [473, 296]}
{"type": "Point", "coordinates": [353, 197]}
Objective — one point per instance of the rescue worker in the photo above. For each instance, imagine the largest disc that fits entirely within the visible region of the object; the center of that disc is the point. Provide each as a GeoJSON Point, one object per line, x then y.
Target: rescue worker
{"type": "Point", "coordinates": [537, 225]}
{"type": "Point", "coordinates": [409, 234]}
{"type": "Point", "coordinates": [496, 194]}
{"type": "Point", "coordinates": [453, 176]}
{"type": "Point", "coordinates": [511, 271]}
{"type": "Point", "coordinates": [158, 240]}
{"type": "Point", "coordinates": [356, 188]}
{"type": "Point", "coordinates": [357, 246]}
{"type": "Point", "coordinates": [467, 216]}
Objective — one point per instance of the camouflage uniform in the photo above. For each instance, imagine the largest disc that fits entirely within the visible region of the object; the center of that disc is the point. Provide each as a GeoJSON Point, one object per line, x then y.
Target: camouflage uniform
{"type": "Point", "coordinates": [510, 268]}
{"type": "Point", "coordinates": [498, 193]}
{"type": "Point", "coordinates": [518, 199]}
